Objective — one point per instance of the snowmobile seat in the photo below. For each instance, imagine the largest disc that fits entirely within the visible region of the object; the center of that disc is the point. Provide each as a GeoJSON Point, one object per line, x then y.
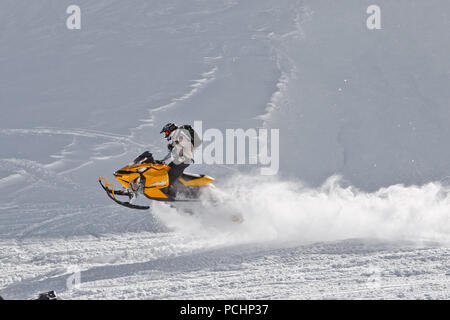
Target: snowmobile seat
{"type": "Point", "coordinates": [191, 176]}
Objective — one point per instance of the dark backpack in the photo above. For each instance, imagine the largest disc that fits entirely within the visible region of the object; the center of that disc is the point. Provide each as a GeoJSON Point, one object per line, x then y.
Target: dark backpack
{"type": "Point", "coordinates": [195, 139]}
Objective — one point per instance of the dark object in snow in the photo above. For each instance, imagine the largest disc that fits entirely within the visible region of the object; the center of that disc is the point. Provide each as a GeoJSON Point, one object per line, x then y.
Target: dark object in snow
{"type": "Point", "coordinates": [51, 295]}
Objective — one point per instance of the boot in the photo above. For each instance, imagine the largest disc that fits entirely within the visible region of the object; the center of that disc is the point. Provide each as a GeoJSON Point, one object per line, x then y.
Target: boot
{"type": "Point", "coordinates": [171, 191]}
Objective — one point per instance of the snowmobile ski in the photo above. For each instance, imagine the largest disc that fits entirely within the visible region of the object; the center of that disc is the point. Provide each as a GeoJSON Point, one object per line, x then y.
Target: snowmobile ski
{"type": "Point", "coordinates": [112, 194]}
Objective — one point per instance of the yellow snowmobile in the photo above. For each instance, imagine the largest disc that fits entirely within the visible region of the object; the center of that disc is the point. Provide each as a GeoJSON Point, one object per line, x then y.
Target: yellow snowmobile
{"type": "Point", "coordinates": [150, 177]}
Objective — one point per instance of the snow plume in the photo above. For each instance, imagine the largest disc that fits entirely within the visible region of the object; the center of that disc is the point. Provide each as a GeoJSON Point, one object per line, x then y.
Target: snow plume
{"type": "Point", "coordinates": [290, 211]}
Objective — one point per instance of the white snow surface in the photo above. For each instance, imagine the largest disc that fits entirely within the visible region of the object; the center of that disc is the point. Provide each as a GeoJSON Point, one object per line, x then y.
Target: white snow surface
{"type": "Point", "coordinates": [360, 208]}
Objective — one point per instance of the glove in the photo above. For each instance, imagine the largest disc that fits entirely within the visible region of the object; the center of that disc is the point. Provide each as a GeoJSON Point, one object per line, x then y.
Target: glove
{"type": "Point", "coordinates": [170, 147]}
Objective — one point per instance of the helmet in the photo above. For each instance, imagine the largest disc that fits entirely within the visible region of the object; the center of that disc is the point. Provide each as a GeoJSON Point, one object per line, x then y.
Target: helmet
{"type": "Point", "coordinates": [168, 129]}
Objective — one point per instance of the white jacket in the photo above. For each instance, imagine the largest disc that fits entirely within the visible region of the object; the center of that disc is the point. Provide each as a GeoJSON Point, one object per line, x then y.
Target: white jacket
{"type": "Point", "coordinates": [182, 151]}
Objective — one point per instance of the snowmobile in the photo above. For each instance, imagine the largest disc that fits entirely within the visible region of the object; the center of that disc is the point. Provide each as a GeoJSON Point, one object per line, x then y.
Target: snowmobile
{"type": "Point", "coordinates": [151, 178]}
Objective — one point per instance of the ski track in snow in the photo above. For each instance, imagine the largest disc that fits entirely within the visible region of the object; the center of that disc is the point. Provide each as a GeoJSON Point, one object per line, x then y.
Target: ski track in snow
{"type": "Point", "coordinates": [65, 161]}
{"type": "Point", "coordinates": [285, 64]}
{"type": "Point", "coordinates": [197, 86]}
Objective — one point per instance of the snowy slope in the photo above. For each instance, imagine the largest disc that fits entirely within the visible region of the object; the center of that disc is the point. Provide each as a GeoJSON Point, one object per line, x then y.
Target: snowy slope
{"type": "Point", "coordinates": [359, 208]}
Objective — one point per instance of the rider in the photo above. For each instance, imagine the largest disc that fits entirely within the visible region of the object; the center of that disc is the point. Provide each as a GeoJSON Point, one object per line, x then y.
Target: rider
{"type": "Point", "coordinates": [182, 142]}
